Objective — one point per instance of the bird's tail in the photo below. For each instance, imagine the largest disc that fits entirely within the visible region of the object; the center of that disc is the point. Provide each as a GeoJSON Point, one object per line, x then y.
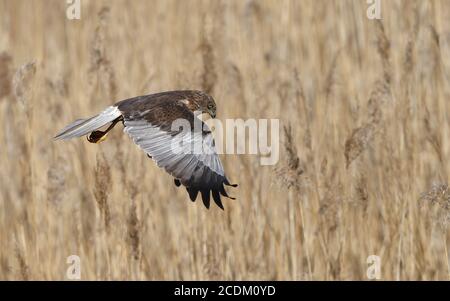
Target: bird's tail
{"type": "Point", "coordinates": [83, 127]}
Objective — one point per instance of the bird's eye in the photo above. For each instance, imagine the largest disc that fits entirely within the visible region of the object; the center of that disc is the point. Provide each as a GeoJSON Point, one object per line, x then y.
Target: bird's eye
{"type": "Point", "coordinates": [210, 106]}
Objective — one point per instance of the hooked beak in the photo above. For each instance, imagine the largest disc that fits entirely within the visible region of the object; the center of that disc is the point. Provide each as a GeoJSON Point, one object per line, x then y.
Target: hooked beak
{"type": "Point", "coordinates": [212, 114]}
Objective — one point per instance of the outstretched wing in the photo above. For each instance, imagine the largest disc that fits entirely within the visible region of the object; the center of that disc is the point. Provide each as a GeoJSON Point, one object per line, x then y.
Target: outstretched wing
{"type": "Point", "coordinates": [189, 156]}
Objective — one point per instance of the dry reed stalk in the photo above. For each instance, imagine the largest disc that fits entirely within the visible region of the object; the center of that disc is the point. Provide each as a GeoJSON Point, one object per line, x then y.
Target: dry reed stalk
{"type": "Point", "coordinates": [291, 176]}
{"type": "Point", "coordinates": [447, 256]}
{"type": "Point", "coordinates": [304, 110]}
{"type": "Point", "coordinates": [438, 195]}
{"type": "Point", "coordinates": [56, 180]}
{"type": "Point", "coordinates": [290, 173]}
{"type": "Point", "coordinates": [409, 60]}
{"type": "Point", "coordinates": [133, 231]}
{"type": "Point", "coordinates": [235, 85]}
{"type": "Point", "coordinates": [23, 84]}
{"type": "Point", "coordinates": [5, 74]}
{"type": "Point", "coordinates": [384, 51]}
{"type": "Point", "coordinates": [87, 212]}
{"type": "Point", "coordinates": [330, 81]}
{"type": "Point", "coordinates": [439, 198]}
{"type": "Point", "coordinates": [21, 260]}
{"type": "Point", "coordinates": [438, 71]}
{"type": "Point", "coordinates": [329, 206]}
{"type": "Point", "coordinates": [209, 74]}
{"type": "Point", "coordinates": [362, 194]}
{"type": "Point", "coordinates": [400, 260]}
{"type": "Point", "coordinates": [211, 267]}
{"type": "Point", "coordinates": [433, 134]}
{"type": "Point", "coordinates": [362, 136]}
{"type": "Point", "coordinates": [102, 187]}
{"type": "Point", "coordinates": [101, 72]}
{"type": "Point", "coordinates": [331, 198]}
{"type": "Point", "coordinates": [5, 268]}
{"type": "Point", "coordinates": [358, 142]}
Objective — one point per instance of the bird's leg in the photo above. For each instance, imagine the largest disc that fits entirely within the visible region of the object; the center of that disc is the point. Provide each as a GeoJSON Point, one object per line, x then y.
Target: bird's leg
{"type": "Point", "coordinates": [99, 136]}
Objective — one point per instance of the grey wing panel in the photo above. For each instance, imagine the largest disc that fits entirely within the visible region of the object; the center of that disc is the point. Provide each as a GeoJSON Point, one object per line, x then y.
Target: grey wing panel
{"type": "Point", "coordinates": [199, 172]}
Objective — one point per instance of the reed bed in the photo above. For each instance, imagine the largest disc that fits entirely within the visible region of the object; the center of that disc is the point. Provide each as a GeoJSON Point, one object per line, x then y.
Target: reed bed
{"type": "Point", "coordinates": [363, 107]}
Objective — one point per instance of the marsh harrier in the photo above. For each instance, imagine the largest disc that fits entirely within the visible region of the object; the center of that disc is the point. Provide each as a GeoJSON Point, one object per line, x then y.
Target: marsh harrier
{"type": "Point", "coordinates": [148, 121]}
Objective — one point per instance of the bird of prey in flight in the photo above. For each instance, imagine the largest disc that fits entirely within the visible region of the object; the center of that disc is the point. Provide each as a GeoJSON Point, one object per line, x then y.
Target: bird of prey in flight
{"type": "Point", "coordinates": [148, 121]}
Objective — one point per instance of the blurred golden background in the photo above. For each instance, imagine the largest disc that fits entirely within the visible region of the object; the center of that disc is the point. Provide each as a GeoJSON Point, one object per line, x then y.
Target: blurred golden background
{"type": "Point", "coordinates": [363, 106]}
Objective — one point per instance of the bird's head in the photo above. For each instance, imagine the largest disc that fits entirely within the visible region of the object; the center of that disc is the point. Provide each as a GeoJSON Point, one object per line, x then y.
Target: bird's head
{"type": "Point", "coordinates": [204, 103]}
{"type": "Point", "coordinates": [210, 107]}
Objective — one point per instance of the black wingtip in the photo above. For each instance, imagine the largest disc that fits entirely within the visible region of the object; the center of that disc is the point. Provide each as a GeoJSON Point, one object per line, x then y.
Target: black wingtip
{"type": "Point", "coordinates": [206, 198]}
{"type": "Point", "coordinates": [192, 193]}
{"type": "Point", "coordinates": [217, 200]}
{"type": "Point", "coordinates": [224, 193]}
{"type": "Point", "coordinates": [226, 182]}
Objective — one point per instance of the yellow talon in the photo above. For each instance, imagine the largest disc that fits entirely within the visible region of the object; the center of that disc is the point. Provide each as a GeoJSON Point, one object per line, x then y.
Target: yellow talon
{"type": "Point", "coordinates": [97, 136]}
{"type": "Point", "coordinates": [102, 138]}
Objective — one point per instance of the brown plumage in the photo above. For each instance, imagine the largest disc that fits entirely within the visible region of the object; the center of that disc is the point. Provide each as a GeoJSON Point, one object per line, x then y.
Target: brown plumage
{"type": "Point", "coordinates": [148, 121]}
